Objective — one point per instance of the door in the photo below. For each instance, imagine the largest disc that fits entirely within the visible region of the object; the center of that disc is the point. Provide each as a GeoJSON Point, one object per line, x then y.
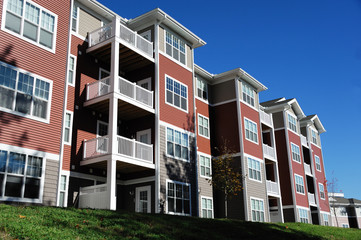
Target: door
{"type": "Point", "coordinates": [145, 83]}
{"type": "Point", "coordinates": [143, 151]}
{"type": "Point", "coordinates": [143, 199]}
{"type": "Point", "coordinates": [144, 136]}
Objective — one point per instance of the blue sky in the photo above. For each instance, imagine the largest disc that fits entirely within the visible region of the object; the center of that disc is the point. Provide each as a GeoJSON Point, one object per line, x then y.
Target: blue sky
{"type": "Point", "coordinates": [309, 50]}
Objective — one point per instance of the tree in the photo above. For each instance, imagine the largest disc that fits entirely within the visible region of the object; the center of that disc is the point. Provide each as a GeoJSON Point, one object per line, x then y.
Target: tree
{"type": "Point", "coordinates": [332, 187]}
{"type": "Point", "coordinates": [226, 177]}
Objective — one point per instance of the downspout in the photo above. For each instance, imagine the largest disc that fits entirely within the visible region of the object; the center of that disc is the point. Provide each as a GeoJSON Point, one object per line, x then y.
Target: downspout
{"type": "Point", "coordinates": [157, 129]}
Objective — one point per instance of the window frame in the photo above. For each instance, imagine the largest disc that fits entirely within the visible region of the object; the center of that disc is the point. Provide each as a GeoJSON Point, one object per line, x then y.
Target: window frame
{"type": "Point", "coordinates": [181, 144]}
{"type": "Point", "coordinates": [72, 83]}
{"type": "Point", "coordinates": [204, 82]}
{"type": "Point", "coordinates": [345, 225]}
{"type": "Point", "coordinates": [65, 174]}
{"type": "Point", "coordinates": [318, 163]}
{"type": "Point", "coordinates": [22, 20]}
{"type": "Point", "coordinates": [206, 208]}
{"type": "Point", "coordinates": [189, 198]}
{"type": "Point", "coordinates": [262, 213]}
{"type": "Point", "coordinates": [251, 131]}
{"type": "Point", "coordinates": [294, 147]}
{"type": "Point", "coordinates": [252, 159]}
{"type": "Point", "coordinates": [199, 126]}
{"type": "Point", "coordinates": [36, 77]}
{"type": "Point", "coordinates": [302, 186]}
{"type": "Point", "coordinates": [205, 167]}
{"type": "Point", "coordinates": [290, 124]}
{"type": "Point", "coordinates": [322, 193]}
{"type": "Point", "coordinates": [314, 137]}
{"type": "Point", "coordinates": [70, 127]}
{"type": "Point", "coordinates": [324, 217]}
{"type": "Point", "coordinates": [302, 219]}
{"type": "Point", "coordinates": [246, 86]}
{"type": "Point", "coordinates": [172, 46]}
{"type": "Point", "coordinates": [180, 95]}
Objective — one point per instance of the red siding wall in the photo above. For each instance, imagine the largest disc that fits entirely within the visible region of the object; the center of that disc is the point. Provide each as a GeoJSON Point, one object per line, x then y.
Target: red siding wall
{"type": "Point", "coordinates": [203, 144]}
{"type": "Point", "coordinates": [24, 132]}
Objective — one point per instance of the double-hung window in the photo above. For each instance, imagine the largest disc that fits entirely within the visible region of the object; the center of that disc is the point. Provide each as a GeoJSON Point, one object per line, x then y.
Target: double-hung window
{"type": "Point", "coordinates": [62, 195]}
{"type": "Point", "coordinates": [300, 186]}
{"type": "Point", "coordinates": [254, 169]}
{"type": "Point", "coordinates": [292, 124]}
{"type": "Point", "coordinates": [203, 126]}
{"type": "Point", "coordinates": [177, 144]}
{"type": "Point", "coordinates": [257, 207]}
{"type": "Point", "coordinates": [248, 94]}
{"type": "Point", "coordinates": [342, 211]}
{"type": "Point", "coordinates": [303, 213]}
{"type": "Point", "coordinates": [318, 163]}
{"type": "Point", "coordinates": [205, 165]}
{"type": "Point", "coordinates": [344, 225]}
{"type": "Point", "coordinates": [207, 207]}
{"type": "Point", "coordinates": [175, 47]}
{"type": "Point", "coordinates": [325, 219]}
{"type": "Point", "coordinates": [71, 70]}
{"type": "Point", "coordinates": [176, 94]}
{"type": "Point", "coordinates": [68, 127]}
{"type": "Point", "coordinates": [74, 18]}
{"type": "Point", "coordinates": [314, 136]}
{"type": "Point", "coordinates": [20, 175]}
{"type": "Point", "coordinates": [322, 190]}
{"type": "Point", "coordinates": [251, 130]}
{"type": "Point", "coordinates": [178, 198]}
{"type": "Point", "coordinates": [31, 21]}
{"type": "Point", "coordinates": [202, 89]}
{"type": "Point", "coordinates": [296, 156]}
{"type": "Point", "coordinates": [24, 93]}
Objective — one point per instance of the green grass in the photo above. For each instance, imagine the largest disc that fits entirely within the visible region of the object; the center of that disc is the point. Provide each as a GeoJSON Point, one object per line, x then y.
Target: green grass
{"type": "Point", "coordinates": [56, 223]}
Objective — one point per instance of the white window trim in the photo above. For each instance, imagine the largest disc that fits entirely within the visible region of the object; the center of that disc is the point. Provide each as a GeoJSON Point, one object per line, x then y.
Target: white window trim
{"type": "Point", "coordinates": [345, 225]}
{"type": "Point", "coordinates": [5, 3]}
{"type": "Point", "coordinates": [254, 92]}
{"type": "Point", "coordinates": [317, 140]}
{"type": "Point", "coordinates": [208, 137]}
{"type": "Point", "coordinates": [165, 93]}
{"type": "Point", "coordinates": [190, 198]}
{"type": "Point", "coordinates": [299, 215]}
{"type": "Point", "coordinates": [74, 71]}
{"type": "Point", "coordinates": [70, 128]}
{"type": "Point", "coordinates": [324, 192]}
{"type": "Point", "coordinates": [303, 180]}
{"type": "Point", "coordinates": [245, 136]}
{"type": "Point", "coordinates": [300, 162]}
{"type": "Point", "coordinates": [27, 152]}
{"type": "Point", "coordinates": [196, 95]}
{"type": "Point", "coordinates": [180, 39]}
{"type": "Point", "coordinates": [146, 80]}
{"type": "Point", "coordinates": [149, 197]}
{"type": "Point", "coordinates": [101, 122]}
{"type": "Point", "coordinates": [210, 158]}
{"type": "Point", "coordinates": [166, 140]}
{"type": "Point", "coordinates": [319, 170]}
{"type": "Point", "coordinates": [290, 113]}
{"type": "Point", "coordinates": [260, 162]}
{"type": "Point", "coordinates": [47, 120]}
{"type": "Point", "coordinates": [67, 174]}
{"type": "Point", "coordinates": [148, 131]}
{"type": "Point", "coordinates": [208, 198]}
{"type": "Point", "coordinates": [264, 207]}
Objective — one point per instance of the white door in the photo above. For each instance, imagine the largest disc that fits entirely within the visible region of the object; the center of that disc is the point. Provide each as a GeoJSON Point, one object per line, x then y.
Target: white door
{"type": "Point", "coordinates": [144, 136]}
{"type": "Point", "coordinates": [142, 199]}
{"type": "Point", "coordinates": [147, 35]}
{"type": "Point", "coordinates": [145, 83]}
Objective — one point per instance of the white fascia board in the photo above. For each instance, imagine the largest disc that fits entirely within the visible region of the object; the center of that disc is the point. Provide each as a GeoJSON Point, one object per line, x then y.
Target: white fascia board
{"type": "Point", "coordinates": [100, 9]}
{"type": "Point", "coordinates": [296, 106]}
{"type": "Point", "coordinates": [202, 72]}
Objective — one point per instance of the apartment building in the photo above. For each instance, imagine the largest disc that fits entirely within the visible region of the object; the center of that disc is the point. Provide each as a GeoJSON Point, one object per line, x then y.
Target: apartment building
{"type": "Point", "coordinates": [345, 212]}
{"type": "Point", "coordinates": [301, 165]}
{"type": "Point", "coordinates": [104, 112]}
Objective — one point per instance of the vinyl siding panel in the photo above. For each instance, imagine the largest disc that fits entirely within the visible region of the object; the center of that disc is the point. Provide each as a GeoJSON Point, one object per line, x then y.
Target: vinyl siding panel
{"type": "Point", "coordinates": [222, 92]}
{"type": "Point", "coordinates": [87, 23]}
{"type": "Point", "coordinates": [189, 57]}
{"type": "Point", "coordinates": [50, 182]}
{"type": "Point", "coordinates": [161, 35]}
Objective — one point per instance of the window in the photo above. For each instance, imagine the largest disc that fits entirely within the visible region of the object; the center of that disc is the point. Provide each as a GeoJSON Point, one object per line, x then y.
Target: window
{"type": "Point", "coordinates": [303, 215]}
{"type": "Point", "coordinates": [205, 165]}
{"type": "Point", "coordinates": [24, 93]}
{"type": "Point", "coordinates": [322, 190]}
{"type": "Point", "coordinates": [175, 47]}
{"type": "Point", "coordinates": [31, 22]}
{"type": "Point", "coordinates": [178, 198]}
{"type": "Point", "coordinates": [251, 130]}
{"type": "Point", "coordinates": [314, 136]}
{"type": "Point", "coordinates": [257, 207]}
{"type": "Point", "coordinates": [68, 127]}
{"type": "Point", "coordinates": [325, 220]}
{"type": "Point", "coordinates": [318, 163]}
{"type": "Point", "coordinates": [177, 144]}
{"type": "Point", "coordinates": [74, 18]}
{"type": "Point", "coordinates": [207, 207]}
{"type": "Point", "coordinates": [202, 88]}
{"type": "Point", "coordinates": [292, 123]}
{"type": "Point", "coordinates": [247, 94]}
{"type": "Point", "coordinates": [203, 126]}
{"type": "Point", "coordinates": [176, 94]}
{"type": "Point", "coordinates": [20, 175]}
{"type": "Point", "coordinates": [62, 195]}
{"type": "Point", "coordinates": [345, 225]}
{"type": "Point", "coordinates": [342, 211]}
{"type": "Point", "coordinates": [300, 187]}
{"type": "Point", "coordinates": [296, 156]}
{"type": "Point", "coordinates": [71, 70]}
{"type": "Point", "coordinates": [254, 169]}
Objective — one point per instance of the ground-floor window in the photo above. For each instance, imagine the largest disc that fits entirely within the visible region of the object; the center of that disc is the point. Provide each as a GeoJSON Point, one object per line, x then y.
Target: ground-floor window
{"type": "Point", "coordinates": [257, 207]}
{"type": "Point", "coordinates": [207, 207]}
{"type": "Point", "coordinates": [178, 198]}
{"type": "Point", "coordinates": [325, 220]}
{"type": "Point", "coordinates": [303, 215]}
{"type": "Point", "coordinates": [20, 175]}
{"type": "Point", "coordinates": [62, 193]}
{"type": "Point", "coordinates": [345, 226]}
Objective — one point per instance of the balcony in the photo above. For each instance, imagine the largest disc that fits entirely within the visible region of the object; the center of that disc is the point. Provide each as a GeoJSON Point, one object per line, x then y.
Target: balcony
{"type": "Point", "coordinates": [126, 37]}
{"type": "Point", "coordinates": [311, 199]}
{"type": "Point", "coordinates": [304, 141]}
{"type": "Point", "coordinates": [129, 151]}
{"type": "Point", "coordinates": [307, 169]}
{"type": "Point", "coordinates": [266, 119]}
{"type": "Point", "coordinates": [93, 197]}
{"type": "Point", "coordinates": [269, 152]}
{"type": "Point", "coordinates": [272, 188]}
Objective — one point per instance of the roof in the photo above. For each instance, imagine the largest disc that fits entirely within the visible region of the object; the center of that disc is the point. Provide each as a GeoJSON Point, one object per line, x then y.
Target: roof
{"type": "Point", "coordinates": [163, 18]}
{"type": "Point", "coordinates": [337, 199]}
{"type": "Point", "coordinates": [282, 103]}
{"type": "Point", "coordinates": [314, 119]}
{"type": "Point", "coordinates": [100, 9]}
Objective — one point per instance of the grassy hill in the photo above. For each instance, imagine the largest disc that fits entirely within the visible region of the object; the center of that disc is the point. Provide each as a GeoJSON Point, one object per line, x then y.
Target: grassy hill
{"type": "Point", "coordinates": [18, 222]}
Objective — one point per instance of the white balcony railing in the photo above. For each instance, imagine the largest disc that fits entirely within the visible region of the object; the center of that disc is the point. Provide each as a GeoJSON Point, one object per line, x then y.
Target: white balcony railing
{"type": "Point", "coordinates": [307, 169]}
{"type": "Point", "coordinates": [135, 149]}
{"type": "Point", "coordinates": [304, 141]}
{"type": "Point", "coordinates": [311, 199]}
{"type": "Point", "coordinates": [93, 197]}
{"type": "Point", "coordinates": [272, 187]}
{"type": "Point", "coordinates": [135, 92]}
{"type": "Point", "coordinates": [98, 88]}
{"type": "Point", "coordinates": [128, 36]}
{"type": "Point", "coordinates": [269, 152]}
{"type": "Point", "coordinates": [266, 118]}
{"type": "Point", "coordinates": [96, 147]}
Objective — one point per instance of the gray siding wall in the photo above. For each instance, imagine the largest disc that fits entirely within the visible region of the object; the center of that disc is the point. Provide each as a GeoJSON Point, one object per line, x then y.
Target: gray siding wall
{"type": "Point", "coordinates": [87, 23]}
{"type": "Point", "coordinates": [177, 170]}
{"type": "Point", "coordinates": [222, 92]}
{"type": "Point", "coordinates": [161, 39]}
{"type": "Point", "coordinates": [189, 57]}
{"type": "Point", "coordinates": [205, 189]}
{"type": "Point", "coordinates": [278, 120]}
{"type": "Point", "coordinates": [50, 182]}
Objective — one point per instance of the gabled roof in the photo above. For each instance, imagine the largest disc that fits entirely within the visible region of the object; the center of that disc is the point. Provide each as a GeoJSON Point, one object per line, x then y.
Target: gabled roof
{"type": "Point", "coordinates": [314, 119]}
{"type": "Point", "coordinates": [159, 15]}
{"type": "Point", "coordinates": [100, 9]}
{"type": "Point", "coordinates": [279, 103]}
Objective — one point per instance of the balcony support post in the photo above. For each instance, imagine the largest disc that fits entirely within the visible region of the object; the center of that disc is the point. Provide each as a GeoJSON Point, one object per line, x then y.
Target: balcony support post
{"type": "Point", "coordinates": [111, 183]}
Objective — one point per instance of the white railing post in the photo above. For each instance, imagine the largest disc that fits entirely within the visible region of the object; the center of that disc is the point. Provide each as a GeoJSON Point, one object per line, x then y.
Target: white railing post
{"type": "Point", "coordinates": [134, 146]}
{"type": "Point", "coordinates": [135, 91]}
{"type": "Point", "coordinates": [87, 91]}
{"type": "Point", "coordinates": [84, 150]}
